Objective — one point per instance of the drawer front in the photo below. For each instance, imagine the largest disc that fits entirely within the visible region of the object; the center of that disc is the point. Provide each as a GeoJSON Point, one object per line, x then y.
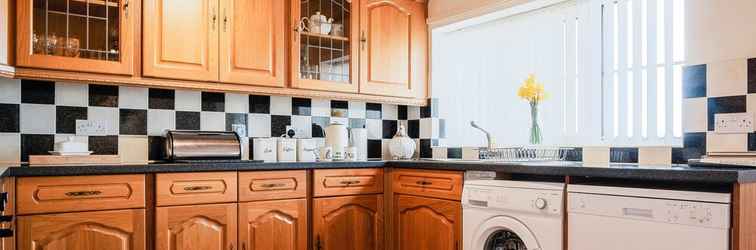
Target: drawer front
{"type": "Point", "coordinates": [195, 188]}
{"type": "Point", "coordinates": [429, 183]}
{"type": "Point", "coordinates": [334, 182]}
{"type": "Point", "coordinates": [272, 185]}
{"type": "Point", "coordinates": [79, 193]}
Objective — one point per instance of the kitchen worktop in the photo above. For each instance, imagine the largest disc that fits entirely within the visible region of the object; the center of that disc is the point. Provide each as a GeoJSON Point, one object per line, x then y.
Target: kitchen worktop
{"type": "Point", "coordinates": [680, 173]}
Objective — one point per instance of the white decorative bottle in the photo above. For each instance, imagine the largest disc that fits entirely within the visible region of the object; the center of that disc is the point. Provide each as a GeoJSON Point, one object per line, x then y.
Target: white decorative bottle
{"type": "Point", "coordinates": [402, 147]}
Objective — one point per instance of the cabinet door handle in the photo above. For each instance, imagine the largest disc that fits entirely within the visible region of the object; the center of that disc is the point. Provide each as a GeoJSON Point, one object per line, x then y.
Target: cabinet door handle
{"type": "Point", "coordinates": [244, 246]}
{"type": "Point", "coordinates": [231, 246]}
{"type": "Point", "coordinates": [214, 17]}
{"type": "Point", "coordinates": [363, 40]}
{"type": "Point", "coordinates": [317, 243]}
{"type": "Point", "coordinates": [225, 20]}
{"type": "Point", "coordinates": [197, 188]}
{"type": "Point", "coordinates": [423, 183]}
{"type": "Point", "coordinates": [83, 193]}
{"type": "Point", "coordinates": [126, 9]}
{"type": "Point", "coordinates": [349, 182]}
{"type": "Point", "coordinates": [273, 185]}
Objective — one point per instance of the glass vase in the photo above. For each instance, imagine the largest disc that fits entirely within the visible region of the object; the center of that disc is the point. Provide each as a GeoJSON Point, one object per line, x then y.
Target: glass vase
{"type": "Point", "coordinates": [536, 137]}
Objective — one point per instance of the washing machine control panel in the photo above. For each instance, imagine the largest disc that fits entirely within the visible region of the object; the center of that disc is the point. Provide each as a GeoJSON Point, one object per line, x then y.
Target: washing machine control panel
{"type": "Point", "coordinates": [516, 199]}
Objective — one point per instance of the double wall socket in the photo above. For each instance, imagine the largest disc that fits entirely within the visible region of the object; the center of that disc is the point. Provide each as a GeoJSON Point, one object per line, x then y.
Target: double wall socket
{"type": "Point", "coordinates": [733, 123]}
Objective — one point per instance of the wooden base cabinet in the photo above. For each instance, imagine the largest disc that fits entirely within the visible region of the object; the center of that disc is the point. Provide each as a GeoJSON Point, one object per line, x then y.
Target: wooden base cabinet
{"type": "Point", "coordinates": [426, 223]}
{"type": "Point", "coordinates": [348, 223]}
{"type": "Point", "coordinates": [273, 225]}
{"type": "Point", "coordinates": [197, 227]}
{"type": "Point", "coordinates": [112, 230]}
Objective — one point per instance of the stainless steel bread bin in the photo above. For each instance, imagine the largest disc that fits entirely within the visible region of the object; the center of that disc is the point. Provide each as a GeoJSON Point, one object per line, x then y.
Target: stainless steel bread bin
{"type": "Point", "coordinates": [202, 145]}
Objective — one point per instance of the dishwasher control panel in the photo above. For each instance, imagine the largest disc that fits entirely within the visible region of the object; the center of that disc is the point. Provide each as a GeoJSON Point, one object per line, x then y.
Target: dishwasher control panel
{"type": "Point", "coordinates": [514, 199]}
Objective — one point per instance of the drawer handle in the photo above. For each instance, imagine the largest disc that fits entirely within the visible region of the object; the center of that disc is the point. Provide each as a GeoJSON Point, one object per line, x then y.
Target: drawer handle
{"type": "Point", "coordinates": [349, 182]}
{"type": "Point", "coordinates": [273, 185]}
{"type": "Point", "coordinates": [197, 188]}
{"type": "Point", "coordinates": [424, 183]}
{"type": "Point", "coordinates": [83, 193]}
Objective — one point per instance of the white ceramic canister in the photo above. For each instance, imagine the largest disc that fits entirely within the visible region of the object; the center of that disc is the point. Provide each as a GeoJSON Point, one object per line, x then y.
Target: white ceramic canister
{"type": "Point", "coordinates": [337, 137]}
{"type": "Point", "coordinates": [307, 150]}
{"type": "Point", "coordinates": [287, 150]}
{"type": "Point", "coordinates": [264, 149]}
{"type": "Point", "coordinates": [359, 140]}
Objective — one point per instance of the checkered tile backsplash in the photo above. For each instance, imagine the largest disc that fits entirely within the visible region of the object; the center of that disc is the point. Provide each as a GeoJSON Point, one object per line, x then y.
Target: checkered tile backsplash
{"type": "Point", "coordinates": [36, 114]}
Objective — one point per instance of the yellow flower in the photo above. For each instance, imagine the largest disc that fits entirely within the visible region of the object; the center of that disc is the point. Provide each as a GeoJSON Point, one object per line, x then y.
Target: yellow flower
{"type": "Point", "coordinates": [532, 91]}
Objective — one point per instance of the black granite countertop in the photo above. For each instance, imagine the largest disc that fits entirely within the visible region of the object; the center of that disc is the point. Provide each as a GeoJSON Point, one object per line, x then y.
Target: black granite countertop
{"type": "Point", "coordinates": [677, 173]}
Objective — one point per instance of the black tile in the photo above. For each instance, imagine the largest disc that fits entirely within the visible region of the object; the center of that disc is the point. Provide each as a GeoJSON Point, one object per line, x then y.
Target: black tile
{"type": "Point", "coordinates": [375, 149]}
{"type": "Point", "coordinates": [454, 153]}
{"type": "Point", "coordinates": [402, 109]}
{"type": "Point", "coordinates": [236, 118]}
{"type": "Point", "coordinates": [187, 120]}
{"type": "Point", "coordinates": [339, 108]}
{"type": "Point", "coordinates": [104, 145]}
{"type": "Point", "coordinates": [278, 124]}
{"type": "Point", "coordinates": [213, 101]}
{"type": "Point", "coordinates": [694, 146]}
{"type": "Point", "coordinates": [752, 75]}
{"type": "Point", "coordinates": [429, 110]}
{"type": "Point", "coordinates": [259, 104]}
{"type": "Point", "coordinates": [575, 154]}
{"type": "Point", "coordinates": [623, 155]}
{"type": "Point", "coordinates": [32, 144]}
{"type": "Point", "coordinates": [301, 106]}
{"type": "Point", "coordinates": [39, 92]}
{"type": "Point", "coordinates": [694, 81]}
{"type": "Point", "coordinates": [425, 148]}
{"type": "Point", "coordinates": [133, 122]}
{"type": "Point", "coordinates": [727, 104]}
{"type": "Point", "coordinates": [156, 148]}
{"type": "Point", "coordinates": [413, 129]}
{"type": "Point", "coordinates": [678, 156]}
{"type": "Point", "coordinates": [9, 118]}
{"type": "Point", "coordinates": [103, 95]}
{"type": "Point", "coordinates": [373, 111]}
{"type": "Point", "coordinates": [162, 99]}
{"type": "Point", "coordinates": [389, 128]}
{"type": "Point", "coordinates": [65, 118]}
{"type": "Point", "coordinates": [356, 123]}
{"type": "Point", "coordinates": [319, 123]}
{"type": "Point", "coordinates": [751, 141]}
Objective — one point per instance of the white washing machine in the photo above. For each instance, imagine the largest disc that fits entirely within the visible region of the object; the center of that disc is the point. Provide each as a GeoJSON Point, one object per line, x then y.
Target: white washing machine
{"type": "Point", "coordinates": [512, 215]}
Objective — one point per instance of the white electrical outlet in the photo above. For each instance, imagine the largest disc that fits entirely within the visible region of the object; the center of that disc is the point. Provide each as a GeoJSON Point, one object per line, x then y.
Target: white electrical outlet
{"type": "Point", "coordinates": [733, 123]}
{"type": "Point", "coordinates": [88, 127]}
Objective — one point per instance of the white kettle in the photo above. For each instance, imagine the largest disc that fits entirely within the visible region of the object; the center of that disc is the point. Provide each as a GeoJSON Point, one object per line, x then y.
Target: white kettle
{"type": "Point", "coordinates": [337, 137]}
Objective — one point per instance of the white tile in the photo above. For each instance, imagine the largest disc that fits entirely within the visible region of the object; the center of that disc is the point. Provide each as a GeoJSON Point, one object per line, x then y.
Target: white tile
{"type": "Point", "coordinates": [439, 152]}
{"type": "Point", "coordinates": [37, 119]}
{"type": "Point", "coordinates": [10, 148]}
{"type": "Point", "coordinates": [159, 120]}
{"type": "Point", "coordinates": [655, 155]}
{"type": "Point", "coordinates": [596, 155]}
{"type": "Point", "coordinates": [726, 142]}
{"type": "Point", "coordinates": [374, 129]}
{"type": "Point", "coordinates": [259, 125]}
{"type": "Point", "coordinates": [429, 128]}
{"type": "Point", "coordinates": [385, 152]}
{"type": "Point", "coordinates": [390, 112]}
{"type": "Point", "coordinates": [132, 97]}
{"type": "Point", "coordinates": [133, 149]}
{"type": "Point", "coordinates": [280, 105]}
{"type": "Point", "coordinates": [10, 90]}
{"type": "Point", "coordinates": [108, 117]}
{"type": "Point", "coordinates": [727, 78]}
{"type": "Point", "coordinates": [237, 103]}
{"type": "Point", "coordinates": [71, 94]}
{"type": "Point", "coordinates": [695, 114]}
{"type": "Point", "coordinates": [321, 107]}
{"type": "Point", "coordinates": [751, 104]}
{"type": "Point", "coordinates": [302, 126]}
{"type": "Point", "coordinates": [356, 109]}
{"type": "Point", "coordinates": [413, 113]}
{"type": "Point", "coordinates": [213, 121]}
{"type": "Point", "coordinates": [188, 100]}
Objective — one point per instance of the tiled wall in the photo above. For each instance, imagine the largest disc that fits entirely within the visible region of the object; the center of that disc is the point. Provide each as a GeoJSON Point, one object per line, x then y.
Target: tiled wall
{"type": "Point", "coordinates": [36, 114]}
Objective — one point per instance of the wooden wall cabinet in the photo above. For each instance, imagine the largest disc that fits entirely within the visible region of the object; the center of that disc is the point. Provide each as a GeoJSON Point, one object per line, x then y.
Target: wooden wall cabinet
{"type": "Point", "coordinates": [83, 36]}
{"type": "Point", "coordinates": [394, 49]}
{"type": "Point", "coordinates": [207, 227]}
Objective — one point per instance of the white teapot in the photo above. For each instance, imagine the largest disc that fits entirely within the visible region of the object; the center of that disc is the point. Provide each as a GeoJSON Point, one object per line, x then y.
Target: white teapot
{"type": "Point", "coordinates": [320, 24]}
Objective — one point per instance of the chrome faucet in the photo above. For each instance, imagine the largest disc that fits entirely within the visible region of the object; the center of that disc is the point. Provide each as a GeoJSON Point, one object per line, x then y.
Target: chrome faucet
{"type": "Point", "coordinates": [489, 138]}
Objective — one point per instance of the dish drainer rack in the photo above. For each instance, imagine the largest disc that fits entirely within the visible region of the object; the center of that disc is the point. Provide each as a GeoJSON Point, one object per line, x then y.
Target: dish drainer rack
{"type": "Point", "coordinates": [526, 153]}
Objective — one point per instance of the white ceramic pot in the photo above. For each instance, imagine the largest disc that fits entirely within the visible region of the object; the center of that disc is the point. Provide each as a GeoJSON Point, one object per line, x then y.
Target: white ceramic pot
{"type": "Point", "coordinates": [402, 147]}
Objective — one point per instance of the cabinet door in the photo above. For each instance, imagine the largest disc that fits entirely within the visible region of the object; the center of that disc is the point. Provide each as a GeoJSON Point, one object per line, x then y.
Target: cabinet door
{"type": "Point", "coordinates": [181, 39]}
{"type": "Point", "coordinates": [86, 36]}
{"type": "Point", "coordinates": [252, 42]}
{"type": "Point", "coordinates": [426, 223]}
{"type": "Point", "coordinates": [112, 230]}
{"type": "Point", "coordinates": [394, 54]}
{"type": "Point", "coordinates": [273, 225]}
{"type": "Point", "coordinates": [325, 56]}
{"type": "Point", "coordinates": [348, 222]}
{"type": "Point", "coordinates": [199, 227]}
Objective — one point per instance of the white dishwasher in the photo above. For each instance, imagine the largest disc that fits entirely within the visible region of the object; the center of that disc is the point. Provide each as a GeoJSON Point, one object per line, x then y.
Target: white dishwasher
{"type": "Point", "coordinates": [617, 218]}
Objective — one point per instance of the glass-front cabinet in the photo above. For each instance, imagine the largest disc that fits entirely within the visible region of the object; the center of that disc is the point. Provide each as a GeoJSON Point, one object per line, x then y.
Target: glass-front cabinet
{"type": "Point", "coordinates": [76, 35]}
{"type": "Point", "coordinates": [325, 44]}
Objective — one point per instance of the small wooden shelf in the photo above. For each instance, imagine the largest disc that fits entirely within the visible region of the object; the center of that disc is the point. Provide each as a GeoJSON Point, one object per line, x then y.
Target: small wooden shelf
{"type": "Point", "coordinates": [310, 34]}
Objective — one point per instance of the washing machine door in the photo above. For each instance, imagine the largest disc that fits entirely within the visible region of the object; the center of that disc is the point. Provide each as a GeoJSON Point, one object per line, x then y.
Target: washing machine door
{"type": "Point", "coordinates": [504, 233]}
